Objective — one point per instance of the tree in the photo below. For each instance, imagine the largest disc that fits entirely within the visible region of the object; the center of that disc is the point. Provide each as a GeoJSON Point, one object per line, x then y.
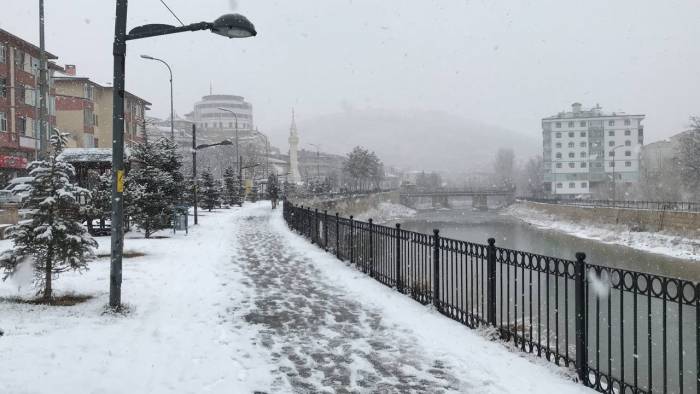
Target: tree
{"type": "Point", "coordinates": [231, 187]}
{"type": "Point", "coordinates": [689, 157]}
{"type": "Point", "coordinates": [363, 168]}
{"type": "Point", "coordinates": [210, 198]}
{"type": "Point", "coordinates": [503, 166]}
{"type": "Point", "coordinates": [533, 177]}
{"type": "Point", "coordinates": [154, 186]}
{"type": "Point", "coordinates": [54, 239]}
{"type": "Point", "coordinates": [100, 204]}
{"type": "Point", "coordinates": [273, 189]}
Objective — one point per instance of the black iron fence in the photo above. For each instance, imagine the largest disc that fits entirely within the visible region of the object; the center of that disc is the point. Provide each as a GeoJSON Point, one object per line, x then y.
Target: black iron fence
{"type": "Point", "coordinates": [679, 206]}
{"type": "Point", "coordinates": [621, 331]}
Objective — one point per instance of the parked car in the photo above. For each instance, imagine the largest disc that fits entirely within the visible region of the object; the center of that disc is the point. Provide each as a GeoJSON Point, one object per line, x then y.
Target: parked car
{"type": "Point", "coordinates": [17, 191]}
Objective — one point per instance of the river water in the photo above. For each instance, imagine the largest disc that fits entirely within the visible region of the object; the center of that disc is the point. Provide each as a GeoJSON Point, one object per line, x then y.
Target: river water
{"type": "Point", "coordinates": [509, 232]}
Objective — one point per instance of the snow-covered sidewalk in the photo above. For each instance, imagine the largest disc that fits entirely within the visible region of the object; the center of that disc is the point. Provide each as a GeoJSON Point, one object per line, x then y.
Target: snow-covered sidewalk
{"type": "Point", "coordinates": [241, 305]}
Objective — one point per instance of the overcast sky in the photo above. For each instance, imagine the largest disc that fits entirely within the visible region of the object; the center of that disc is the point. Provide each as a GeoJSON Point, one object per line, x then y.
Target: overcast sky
{"type": "Point", "coordinates": [507, 62]}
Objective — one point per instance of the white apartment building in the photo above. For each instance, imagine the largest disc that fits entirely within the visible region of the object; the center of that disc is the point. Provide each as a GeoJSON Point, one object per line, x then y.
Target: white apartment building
{"type": "Point", "coordinates": [208, 117]}
{"type": "Point", "coordinates": [591, 153]}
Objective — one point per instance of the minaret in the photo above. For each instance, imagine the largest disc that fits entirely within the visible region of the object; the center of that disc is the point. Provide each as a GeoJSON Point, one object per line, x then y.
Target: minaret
{"type": "Point", "coordinates": [294, 176]}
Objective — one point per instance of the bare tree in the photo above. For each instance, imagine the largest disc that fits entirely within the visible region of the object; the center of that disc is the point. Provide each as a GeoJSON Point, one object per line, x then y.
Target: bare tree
{"type": "Point", "coordinates": [504, 166]}
{"type": "Point", "coordinates": [689, 158]}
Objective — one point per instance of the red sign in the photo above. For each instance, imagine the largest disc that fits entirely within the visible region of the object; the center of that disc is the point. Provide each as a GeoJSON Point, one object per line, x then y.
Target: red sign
{"type": "Point", "coordinates": [13, 162]}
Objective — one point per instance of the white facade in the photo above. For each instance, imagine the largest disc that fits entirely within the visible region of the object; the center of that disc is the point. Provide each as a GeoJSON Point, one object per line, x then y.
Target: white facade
{"type": "Point", "coordinates": [585, 149]}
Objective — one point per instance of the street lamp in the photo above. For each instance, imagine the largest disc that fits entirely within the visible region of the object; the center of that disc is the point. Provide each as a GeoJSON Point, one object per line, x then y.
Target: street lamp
{"type": "Point", "coordinates": [238, 157]}
{"type": "Point", "coordinates": [232, 26]}
{"type": "Point", "coordinates": [172, 120]}
{"type": "Point", "coordinates": [195, 148]}
{"type": "Point", "coordinates": [613, 171]}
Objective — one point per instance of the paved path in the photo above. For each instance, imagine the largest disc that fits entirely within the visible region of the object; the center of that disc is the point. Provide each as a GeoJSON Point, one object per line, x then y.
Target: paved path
{"type": "Point", "coordinates": [319, 339]}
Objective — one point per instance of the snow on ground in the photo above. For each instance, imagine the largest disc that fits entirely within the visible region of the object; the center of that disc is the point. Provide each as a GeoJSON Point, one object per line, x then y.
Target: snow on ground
{"type": "Point", "coordinates": [660, 243]}
{"type": "Point", "coordinates": [243, 304]}
{"type": "Point", "coordinates": [387, 212]}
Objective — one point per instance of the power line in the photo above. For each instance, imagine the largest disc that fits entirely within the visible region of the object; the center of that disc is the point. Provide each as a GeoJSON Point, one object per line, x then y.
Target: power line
{"type": "Point", "coordinates": [171, 11]}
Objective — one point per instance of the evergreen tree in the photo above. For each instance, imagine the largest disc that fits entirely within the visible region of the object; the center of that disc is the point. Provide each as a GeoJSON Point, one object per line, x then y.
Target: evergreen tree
{"type": "Point", "coordinates": [54, 238]}
{"type": "Point", "coordinates": [231, 187]}
{"type": "Point", "coordinates": [210, 198]}
{"type": "Point", "coordinates": [151, 187]}
{"type": "Point", "coordinates": [100, 203]}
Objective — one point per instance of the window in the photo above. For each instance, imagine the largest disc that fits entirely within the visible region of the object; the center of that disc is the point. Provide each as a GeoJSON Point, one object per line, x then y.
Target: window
{"type": "Point", "coordinates": [21, 124]}
{"type": "Point", "coordinates": [559, 185]}
{"type": "Point", "coordinates": [571, 134]}
{"type": "Point", "coordinates": [611, 133]}
{"type": "Point", "coordinates": [558, 165]}
{"type": "Point", "coordinates": [628, 153]}
{"type": "Point", "coordinates": [583, 144]}
{"type": "Point", "coordinates": [584, 184]}
{"type": "Point", "coordinates": [583, 134]}
{"type": "Point", "coordinates": [611, 153]}
{"type": "Point", "coordinates": [611, 143]}
{"type": "Point", "coordinates": [571, 155]}
{"type": "Point", "coordinates": [627, 132]}
{"type": "Point", "coordinates": [3, 54]}
{"type": "Point", "coordinates": [19, 59]}
{"type": "Point", "coordinates": [582, 123]}
{"type": "Point", "coordinates": [628, 164]}
{"type": "Point", "coordinates": [230, 125]}
{"type": "Point", "coordinates": [572, 185]}
{"type": "Point", "coordinates": [612, 164]}
{"type": "Point", "coordinates": [29, 96]}
{"type": "Point", "coordinates": [627, 122]}
{"type": "Point", "coordinates": [628, 143]}
{"type": "Point", "coordinates": [94, 120]}
{"type": "Point", "coordinates": [87, 91]}
{"type": "Point", "coordinates": [557, 125]}
{"type": "Point", "coordinates": [558, 135]}
{"type": "Point", "coordinates": [558, 155]}
{"type": "Point", "coordinates": [3, 122]}
{"type": "Point", "coordinates": [3, 87]}
{"type": "Point", "coordinates": [571, 124]}
{"type": "Point", "coordinates": [583, 164]}
{"type": "Point", "coordinates": [571, 145]}
{"type": "Point", "coordinates": [572, 165]}
{"type": "Point", "coordinates": [583, 154]}
{"type": "Point", "coordinates": [611, 123]}
{"type": "Point", "coordinates": [599, 165]}
{"type": "Point", "coordinates": [87, 117]}
{"type": "Point", "coordinates": [558, 145]}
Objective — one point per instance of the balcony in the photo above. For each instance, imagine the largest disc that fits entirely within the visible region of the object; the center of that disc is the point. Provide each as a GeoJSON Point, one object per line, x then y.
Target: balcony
{"type": "Point", "coordinates": [28, 142]}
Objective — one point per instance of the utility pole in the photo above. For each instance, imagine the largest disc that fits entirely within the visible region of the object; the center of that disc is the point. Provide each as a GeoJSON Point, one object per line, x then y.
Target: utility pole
{"type": "Point", "coordinates": [194, 169]}
{"type": "Point", "coordinates": [43, 132]}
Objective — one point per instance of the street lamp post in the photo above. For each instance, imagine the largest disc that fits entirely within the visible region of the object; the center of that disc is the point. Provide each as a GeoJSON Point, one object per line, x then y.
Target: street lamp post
{"type": "Point", "coordinates": [238, 157]}
{"type": "Point", "coordinates": [172, 119]}
{"type": "Point", "coordinates": [614, 191]}
{"type": "Point", "coordinates": [267, 153]}
{"type": "Point", "coordinates": [231, 26]}
{"type": "Point", "coordinates": [195, 148]}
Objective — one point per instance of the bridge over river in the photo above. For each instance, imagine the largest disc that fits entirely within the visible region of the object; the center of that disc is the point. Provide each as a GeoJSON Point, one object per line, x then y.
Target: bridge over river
{"type": "Point", "coordinates": [441, 197]}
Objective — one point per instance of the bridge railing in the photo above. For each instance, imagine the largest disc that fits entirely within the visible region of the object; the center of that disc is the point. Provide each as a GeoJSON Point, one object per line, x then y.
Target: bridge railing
{"type": "Point", "coordinates": [677, 206]}
{"type": "Point", "coordinates": [619, 330]}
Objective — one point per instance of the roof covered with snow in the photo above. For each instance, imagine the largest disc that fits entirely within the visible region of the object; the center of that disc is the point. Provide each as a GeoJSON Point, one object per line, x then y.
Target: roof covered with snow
{"type": "Point", "coordinates": [88, 154]}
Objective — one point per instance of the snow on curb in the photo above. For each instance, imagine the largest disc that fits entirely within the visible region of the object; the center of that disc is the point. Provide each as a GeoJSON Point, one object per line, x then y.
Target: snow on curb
{"type": "Point", "coordinates": [484, 366]}
{"type": "Point", "coordinates": [659, 243]}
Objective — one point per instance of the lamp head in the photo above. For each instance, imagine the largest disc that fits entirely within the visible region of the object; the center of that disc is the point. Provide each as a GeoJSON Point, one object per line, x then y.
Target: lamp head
{"type": "Point", "coordinates": [147, 57]}
{"type": "Point", "coordinates": [233, 26]}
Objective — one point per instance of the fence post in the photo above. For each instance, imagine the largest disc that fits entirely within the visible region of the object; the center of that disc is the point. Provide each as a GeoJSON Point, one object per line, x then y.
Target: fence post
{"type": "Point", "coordinates": [580, 300]}
{"type": "Point", "coordinates": [352, 240]}
{"type": "Point", "coordinates": [325, 230]}
{"type": "Point", "coordinates": [337, 235]}
{"type": "Point", "coordinates": [491, 278]}
{"type": "Point", "coordinates": [436, 268]}
{"type": "Point", "coordinates": [399, 287]}
{"type": "Point", "coordinates": [314, 228]}
{"type": "Point", "coordinates": [371, 249]}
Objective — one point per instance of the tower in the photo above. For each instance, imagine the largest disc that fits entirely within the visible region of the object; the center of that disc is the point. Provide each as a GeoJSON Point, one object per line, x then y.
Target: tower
{"type": "Point", "coordinates": [294, 176]}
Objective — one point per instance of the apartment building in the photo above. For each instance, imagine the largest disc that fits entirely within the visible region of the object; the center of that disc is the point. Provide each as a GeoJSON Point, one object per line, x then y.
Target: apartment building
{"type": "Point", "coordinates": [84, 109]}
{"type": "Point", "coordinates": [590, 152]}
{"type": "Point", "coordinates": [19, 103]}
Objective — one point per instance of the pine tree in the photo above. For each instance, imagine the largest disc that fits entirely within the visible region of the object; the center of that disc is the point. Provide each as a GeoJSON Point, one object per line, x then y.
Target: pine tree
{"type": "Point", "coordinates": [54, 238]}
{"type": "Point", "coordinates": [151, 187]}
{"type": "Point", "coordinates": [231, 187]}
{"type": "Point", "coordinates": [210, 191]}
{"type": "Point", "coordinates": [100, 203]}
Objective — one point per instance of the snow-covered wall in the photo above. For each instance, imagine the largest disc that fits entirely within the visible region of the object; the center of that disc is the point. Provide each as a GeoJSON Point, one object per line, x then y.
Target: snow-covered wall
{"type": "Point", "coordinates": [682, 223]}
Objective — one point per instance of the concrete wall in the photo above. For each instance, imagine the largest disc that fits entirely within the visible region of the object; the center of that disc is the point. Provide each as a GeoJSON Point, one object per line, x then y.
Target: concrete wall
{"type": "Point", "coordinates": [681, 223]}
{"type": "Point", "coordinates": [347, 206]}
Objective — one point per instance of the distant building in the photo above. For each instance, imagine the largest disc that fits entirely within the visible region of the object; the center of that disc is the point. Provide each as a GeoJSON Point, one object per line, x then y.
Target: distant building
{"type": "Point", "coordinates": [294, 175]}
{"type": "Point", "coordinates": [19, 104]}
{"type": "Point", "coordinates": [583, 149]}
{"type": "Point", "coordinates": [84, 109]}
{"type": "Point", "coordinates": [211, 120]}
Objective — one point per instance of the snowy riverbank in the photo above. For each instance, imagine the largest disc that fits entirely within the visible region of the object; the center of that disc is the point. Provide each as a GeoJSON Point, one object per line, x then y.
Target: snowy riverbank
{"type": "Point", "coordinates": [660, 243]}
{"type": "Point", "coordinates": [386, 213]}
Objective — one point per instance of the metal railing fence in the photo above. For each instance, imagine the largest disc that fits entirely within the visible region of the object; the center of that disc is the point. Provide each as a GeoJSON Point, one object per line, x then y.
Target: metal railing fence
{"type": "Point", "coordinates": [677, 206]}
{"type": "Point", "coordinates": [621, 331]}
